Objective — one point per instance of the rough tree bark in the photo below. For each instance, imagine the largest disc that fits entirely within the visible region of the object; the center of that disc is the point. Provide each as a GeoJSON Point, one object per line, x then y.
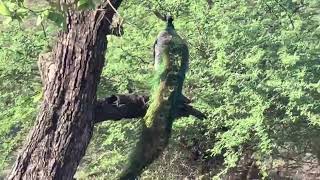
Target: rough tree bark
{"type": "Point", "coordinates": [70, 75]}
{"type": "Point", "coordinates": [65, 122]}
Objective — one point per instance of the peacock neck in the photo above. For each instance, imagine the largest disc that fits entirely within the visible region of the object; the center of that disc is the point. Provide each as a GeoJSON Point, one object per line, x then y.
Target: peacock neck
{"type": "Point", "coordinates": [170, 26]}
{"type": "Point", "coordinates": [171, 30]}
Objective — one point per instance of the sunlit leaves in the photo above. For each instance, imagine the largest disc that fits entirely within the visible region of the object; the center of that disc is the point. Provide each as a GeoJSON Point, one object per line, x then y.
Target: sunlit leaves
{"type": "Point", "coordinates": [4, 10]}
{"type": "Point", "coordinates": [52, 11]}
{"type": "Point", "coordinates": [20, 87]}
{"type": "Point", "coordinates": [254, 71]}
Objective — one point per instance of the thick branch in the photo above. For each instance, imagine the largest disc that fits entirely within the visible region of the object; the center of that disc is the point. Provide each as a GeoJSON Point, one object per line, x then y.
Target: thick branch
{"type": "Point", "coordinates": [117, 107]}
{"type": "Point", "coordinates": [159, 15]}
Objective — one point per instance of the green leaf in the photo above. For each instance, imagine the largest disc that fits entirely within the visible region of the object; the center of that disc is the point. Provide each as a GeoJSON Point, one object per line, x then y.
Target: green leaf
{"type": "Point", "coordinates": [7, 21]}
{"type": "Point", "coordinates": [39, 20]}
{"type": "Point", "coordinates": [44, 15]}
{"type": "Point", "coordinates": [4, 10]}
{"type": "Point", "coordinates": [58, 18]}
{"type": "Point", "coordinates": [84, 4]}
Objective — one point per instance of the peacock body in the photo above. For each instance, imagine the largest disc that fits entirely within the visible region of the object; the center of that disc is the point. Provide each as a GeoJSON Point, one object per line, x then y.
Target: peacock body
{"type": "Point", "coordinates": [171, 63]}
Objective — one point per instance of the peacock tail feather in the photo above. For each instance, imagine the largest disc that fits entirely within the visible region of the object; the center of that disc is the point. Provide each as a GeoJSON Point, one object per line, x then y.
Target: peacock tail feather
{"type": "Point", "coordinates": [163, 104]}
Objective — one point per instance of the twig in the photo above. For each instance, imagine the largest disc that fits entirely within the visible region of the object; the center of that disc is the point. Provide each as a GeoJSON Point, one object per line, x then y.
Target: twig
{"type": "Point", "coordinates": [286, 10]}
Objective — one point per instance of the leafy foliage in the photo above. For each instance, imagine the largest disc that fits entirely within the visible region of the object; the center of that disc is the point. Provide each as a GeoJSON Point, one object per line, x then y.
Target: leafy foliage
{"type": "Point", "coordinates": [20, 86]}
{"type": "Point", "coordinates": [254, 71]}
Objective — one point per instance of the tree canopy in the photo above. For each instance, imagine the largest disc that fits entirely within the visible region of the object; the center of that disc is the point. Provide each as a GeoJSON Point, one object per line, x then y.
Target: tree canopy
{"type": "Point", "coordinates": [254, 70]}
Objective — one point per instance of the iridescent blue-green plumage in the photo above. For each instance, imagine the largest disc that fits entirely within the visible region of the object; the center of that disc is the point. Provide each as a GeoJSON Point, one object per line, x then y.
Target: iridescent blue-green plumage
{"type": "Point", "coordinates": [171, 63]}
{"type": "Point", "coordinates": [167, 38]}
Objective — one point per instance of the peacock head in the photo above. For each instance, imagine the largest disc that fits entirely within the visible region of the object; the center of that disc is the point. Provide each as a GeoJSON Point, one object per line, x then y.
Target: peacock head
{"type": "Point", "coordinates": [169, 19]}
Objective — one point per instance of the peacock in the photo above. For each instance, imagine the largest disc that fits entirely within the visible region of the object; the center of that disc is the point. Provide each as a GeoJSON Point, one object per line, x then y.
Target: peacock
{"type": "Point", "coordinates": [171, 57]}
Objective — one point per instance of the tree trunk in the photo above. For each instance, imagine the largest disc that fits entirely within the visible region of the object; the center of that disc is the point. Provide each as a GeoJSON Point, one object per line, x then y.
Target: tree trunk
{"type": "Point", "coordinates": [64, 124]}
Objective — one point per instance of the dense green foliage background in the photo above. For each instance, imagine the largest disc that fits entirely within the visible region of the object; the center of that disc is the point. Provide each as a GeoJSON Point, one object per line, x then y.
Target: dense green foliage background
{"type": "Point", "coordinates": [255, 68]}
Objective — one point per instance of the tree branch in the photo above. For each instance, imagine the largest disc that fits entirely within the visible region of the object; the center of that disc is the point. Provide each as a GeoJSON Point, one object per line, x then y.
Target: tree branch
{"type": "Point", "coordinates": [127, 106]}
{"type": "Point", "coordinates": [116, 30]}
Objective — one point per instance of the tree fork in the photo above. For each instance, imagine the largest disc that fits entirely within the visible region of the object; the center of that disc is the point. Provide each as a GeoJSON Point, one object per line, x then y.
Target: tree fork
{"type": "Point", "coordinates": [64, 124]}
{"type": "Point", "coordinates": [127, 106]}
{"type": "Point", "coordinates": [121, 106]}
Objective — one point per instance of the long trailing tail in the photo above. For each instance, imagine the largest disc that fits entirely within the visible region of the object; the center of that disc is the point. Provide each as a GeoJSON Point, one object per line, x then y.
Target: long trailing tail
{"type": "Point", "coordinates": [158, 120]}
